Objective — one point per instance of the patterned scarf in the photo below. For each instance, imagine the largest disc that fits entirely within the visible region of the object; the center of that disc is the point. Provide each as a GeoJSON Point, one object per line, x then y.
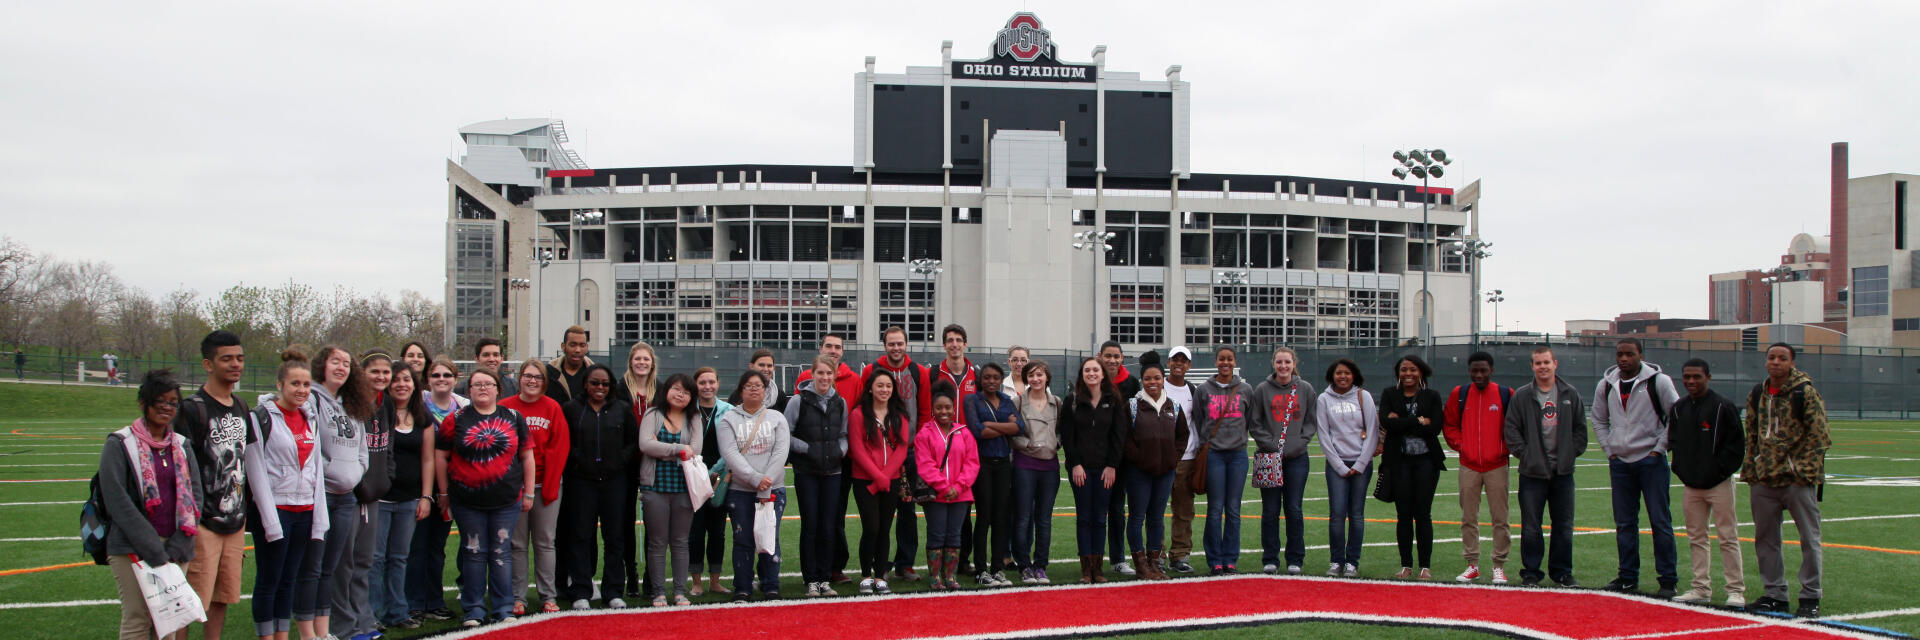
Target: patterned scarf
{"type": "Point", "coordinates": [186, 512]}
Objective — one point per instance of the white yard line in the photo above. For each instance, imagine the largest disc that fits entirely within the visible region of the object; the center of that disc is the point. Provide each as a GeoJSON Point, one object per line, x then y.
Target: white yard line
{"type": "Point", "coordinates": [36, 504]}
{"type": "Point", "coordinates": [1869, 615]}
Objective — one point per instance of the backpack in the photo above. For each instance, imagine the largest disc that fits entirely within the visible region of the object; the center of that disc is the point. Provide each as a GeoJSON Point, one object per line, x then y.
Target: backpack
{"type": "Point", "coordinates": [1797, 398]}
{"type": "Point", "coordinates": [94, 523]}
{"type": "Point", "coordinates": [1653, 393]}
{"type": "Point", "coordinates": [1460, 397]}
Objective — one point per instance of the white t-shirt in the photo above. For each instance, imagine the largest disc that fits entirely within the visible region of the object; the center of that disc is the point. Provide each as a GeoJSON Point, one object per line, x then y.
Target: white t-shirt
{"type": "Point", "coordinates": [1183, 396]}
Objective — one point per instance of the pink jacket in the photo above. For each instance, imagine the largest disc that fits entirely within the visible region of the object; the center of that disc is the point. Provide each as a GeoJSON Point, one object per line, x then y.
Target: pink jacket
{"type": "Point", "coordinates": [963, 462]}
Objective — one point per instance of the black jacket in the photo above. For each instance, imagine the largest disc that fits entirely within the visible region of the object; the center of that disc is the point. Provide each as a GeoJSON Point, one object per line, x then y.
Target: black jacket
{"type": "Point", "coordinates": [601, 444]}
{"type": "Point", "coordinates": [1094, 435]}
{"type": "Point", "coordinates": [1424, 403]}
{"type": "Point", "coordinates": [1705, 440]}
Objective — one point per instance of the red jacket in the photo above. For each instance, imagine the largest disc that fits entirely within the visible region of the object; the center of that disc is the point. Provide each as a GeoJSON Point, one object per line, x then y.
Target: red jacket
{"type": "Point", "coordinates": [847, 383]}
{"type": "Point", "coordinates": [878, 464]}
{"type": "Point", "coordinates": [963, 386]}
{"type": "Point", "coordinates": [1473, 427]}
{"type": "Point", "coordinates": [547, 428]}
{"type": "Point", "coordinates": [962, 463]}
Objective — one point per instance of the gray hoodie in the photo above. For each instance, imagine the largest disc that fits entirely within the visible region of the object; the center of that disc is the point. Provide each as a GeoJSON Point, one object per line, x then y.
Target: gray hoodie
{"type": "Point", "coordinates": [341, 440]}
{"type": "Point", "coordinates": [1276, 401]}
{"type": "Point", "coordinates": [1349, 429]}
{"type": "Point", "coordinates": [1220, 412]}
{"type": "Point", "coordinates": [275, 474]}
{"type": "Point", "coordinates": [1633, 429]}
{"type": "Point", "coordinates": [765, 437]}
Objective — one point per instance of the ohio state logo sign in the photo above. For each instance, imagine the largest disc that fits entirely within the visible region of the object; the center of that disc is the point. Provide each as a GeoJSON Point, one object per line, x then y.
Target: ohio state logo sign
{"type": "Point", "coordinates": [1024, 39]}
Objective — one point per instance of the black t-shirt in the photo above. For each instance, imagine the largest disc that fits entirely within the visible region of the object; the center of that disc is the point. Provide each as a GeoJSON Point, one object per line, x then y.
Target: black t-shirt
{"type": "Point", "coordinates": [485, 470]}
{"type": "Point", "coordinates": [219, 434]}
{"type": "Point", "coordinates": [406, 464]}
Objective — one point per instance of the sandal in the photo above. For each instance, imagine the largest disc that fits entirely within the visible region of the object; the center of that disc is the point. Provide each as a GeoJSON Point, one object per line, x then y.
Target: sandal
{"type": "Point", "coordinates": [550, 607]}
{"type": "Point", "coordinates": [681, 601]}
{"type": "Point", "coordinates": [659, 601]}
{"type": "Point", "coordinates": [1405, 572]}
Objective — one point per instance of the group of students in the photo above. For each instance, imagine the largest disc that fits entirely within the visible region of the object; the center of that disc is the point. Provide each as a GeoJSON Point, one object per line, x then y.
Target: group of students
{"type": "Point", "coordinates": [349, 474]}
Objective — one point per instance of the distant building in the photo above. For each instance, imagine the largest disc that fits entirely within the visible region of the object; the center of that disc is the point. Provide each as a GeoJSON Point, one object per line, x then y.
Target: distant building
{"type": "Point", "coordinates": [1745, 297]}
{"type": "Point", "coordinates": [1884, 298]}
{"type": "Point", "coordinates": [1647, 324]}
{"type": "Point", "coordinates": [490, 221]}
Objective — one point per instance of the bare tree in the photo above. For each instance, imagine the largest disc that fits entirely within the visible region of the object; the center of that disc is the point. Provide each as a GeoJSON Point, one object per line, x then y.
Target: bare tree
{"type": "Point", "coordinates": [422, 319]}
{"type": "Point", "coordinates": [181, 309]}
{"type": "Point", "coordinates": [16, 263]}
{"type": "Point", "coordinates": [294, 309]}
{"type": "Point", "coordinates": [136, 322]}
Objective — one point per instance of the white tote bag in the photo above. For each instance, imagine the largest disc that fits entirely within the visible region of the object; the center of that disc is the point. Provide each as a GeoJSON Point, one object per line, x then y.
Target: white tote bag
{"type": "Point", "coordinates": [766, 529]}
{"type": "Point", "coordinates": [170, 601]}
{"type": "Point", "coordinates": [699, 481]}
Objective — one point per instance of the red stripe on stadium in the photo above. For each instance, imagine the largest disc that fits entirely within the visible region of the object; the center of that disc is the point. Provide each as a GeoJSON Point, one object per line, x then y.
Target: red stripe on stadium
{"type": "Point", "coordinates": [569, 173]}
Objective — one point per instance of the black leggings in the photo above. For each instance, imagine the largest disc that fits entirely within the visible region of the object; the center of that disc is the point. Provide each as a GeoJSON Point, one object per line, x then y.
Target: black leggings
{"type": "Point", "coordinates": [1413, 482]}
{"type": "Point", "coordinates": [707, 542]}
{"type": "Point", "coordinates": [876, 523]}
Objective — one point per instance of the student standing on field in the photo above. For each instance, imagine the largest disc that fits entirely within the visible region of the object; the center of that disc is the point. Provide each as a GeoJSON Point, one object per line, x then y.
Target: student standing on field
{"type": "Point", "coordinates": [407, 502]}
{"type": "Point", "coordinates": [754, 440]}
{"type": "Point", "coordinates": [566, 374]}
{"type": "Point", "coordinates": [707, 538]}
{"type": "Point", "coordinates": [1093, 430]}
{"type": "Point", "coordinates": [352, 614]}
{"type": "Point", "coordinates": [427, 559]}
{"type": "Point", "coordinates": [849, 384]}
{"type": "Point", "coordinates": [1113, 359]}
{"type": "Point", "coordinates": [1350, 434]}
{"type": "Point", "coordinates": [878, 435]}
{"type": "Point", "coordinates": [909, 379]}
{"type": "Point", "coordinates": [602, 438]}
{"type": "Point", "coordinates": [485, 468]}
{"type": "Point", "coordinates": [1546, 429]}
{"type": "Point", "coordinates": [1787, 442]}
{"type": "Point", "coordinates": [286, 480]}
{"type": "Point", "coordinates": [150, 486]}
{"type": "Point", "coordinates": [219, 428]}
{"type": "Point", "coordinates": [958, 371]}
{"type": "Point", "coordinates": [1180, 540]}
{"type": "Point", "coordinates": [1153, 448]}
{"type": "Point", "coordinates": [535, 532]}
{"type": "Point", "coordinates": [1289, 418]}
{"type": "Point", "coordinates": [1476, 414]}
{"type": "Point", "coordinates": [1629, 421]}
{"type": "Point", "coordinates": [669, 434]}
{"type": "Point", "coordinates": [1036, 474]}
{"type": "Point", "coordinates": [488, 354]}
{"type": "Point", "coordinates": [1704, 435]}
{"type": "Point", "coordinates": [1222, 408]}
{"type": "Point", "coordinates": [343, 404]}
{"type": "Point", "coordinates": [1411, 416]}
{"type": "Point", "coordinates": [993, 418]}
{"type": "Point", "coordinates": [947, 453]}
{"type": "Point", "coordinates": [819, 418]}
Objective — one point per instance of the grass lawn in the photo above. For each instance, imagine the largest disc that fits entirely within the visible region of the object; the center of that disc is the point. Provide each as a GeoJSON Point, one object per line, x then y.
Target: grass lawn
{"type": "Point", "coordinates": [52, 435]}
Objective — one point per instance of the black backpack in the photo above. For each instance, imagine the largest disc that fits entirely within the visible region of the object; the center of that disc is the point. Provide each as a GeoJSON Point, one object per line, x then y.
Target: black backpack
{"type": "Point", "coordinates": [94, 523]}
{"type": "Point", "coordinates": [1653, 393]}
{"type": "Point", "coordinates": [1797, 397]}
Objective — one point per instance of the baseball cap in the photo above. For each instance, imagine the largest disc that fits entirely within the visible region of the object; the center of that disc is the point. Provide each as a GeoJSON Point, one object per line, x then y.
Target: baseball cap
{"type": "Point", "coordinates": [1180, 352]}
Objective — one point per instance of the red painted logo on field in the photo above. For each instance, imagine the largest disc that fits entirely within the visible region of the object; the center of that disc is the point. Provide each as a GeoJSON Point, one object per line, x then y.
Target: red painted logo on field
{"type": "Point", "coordinates": [1023, 39]}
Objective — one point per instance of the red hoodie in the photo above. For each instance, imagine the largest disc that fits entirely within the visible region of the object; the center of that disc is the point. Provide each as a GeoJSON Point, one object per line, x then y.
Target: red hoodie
{"type": "Point", "coordinates": [962, 384]}
{"type": "Point", "coordinates": [848, 384]}
{"type": "Point", "coordinates": [1475, 429]}
{"type": "Point", "coordinates": [547, 428]}
{"type": "Point", "coordinates": [912, 390]}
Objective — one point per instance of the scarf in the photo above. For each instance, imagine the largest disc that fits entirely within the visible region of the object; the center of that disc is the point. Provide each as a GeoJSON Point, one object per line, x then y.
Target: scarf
{"type": "Point", "coordinates": [186, 512]}
{"type": "Point", "coordinates": [1156, 403]}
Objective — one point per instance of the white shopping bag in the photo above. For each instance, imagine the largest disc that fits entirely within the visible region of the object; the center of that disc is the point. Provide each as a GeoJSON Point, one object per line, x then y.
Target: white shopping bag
{"type": "Point", "coordinates": [699, 481]}
{"type": "Point", "coordinates": [170, 601]}
{"type": "Point", "coordinates": [766, 529]}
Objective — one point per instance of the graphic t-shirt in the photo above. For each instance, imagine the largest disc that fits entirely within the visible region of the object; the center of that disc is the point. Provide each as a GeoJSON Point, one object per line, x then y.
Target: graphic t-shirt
{"type": "Point", "coordinates": [219, 434]}
{"type": "Point", "coordinates": [1550, 425]}
{"type": "Point", "coordinates": [484, 468]}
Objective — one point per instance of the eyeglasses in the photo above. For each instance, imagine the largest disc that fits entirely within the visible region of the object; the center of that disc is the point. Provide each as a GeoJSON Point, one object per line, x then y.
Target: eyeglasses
{"type": "Point", "coordinates": [532, 376]}
{"type": "Point", "coordinates": [438, 376]}
{"type": "Point", "coordinates": [482, 385]}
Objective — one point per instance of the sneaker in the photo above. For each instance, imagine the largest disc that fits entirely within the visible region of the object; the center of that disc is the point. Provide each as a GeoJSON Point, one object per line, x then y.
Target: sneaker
{"type": "Point", "coordinates": [1027, 577]}
{"type": "Point", "coordinates": [1694, 596]}
{"type": "Point", "coordinates": [616, 603]}
{"type": "Point", "coordinates": [985, 579]}
{"type": "Point", "coordinates": [1469, 575]}
{"type": "Point", "coordinates": [1040, 576]}
{"type": "Point", "coordinates": [1271, 569]}
{"type": "Point", "coordinates": [469, 622]}
{"type": "Point", "coordinates": [441, 613]}
{"type": "Point", "coordinates": [1736, 600]}
{"type": "Point", "coordinates": [508, 619]}
{"type": "Point", "coordinates": [1425, 573]}
{"type": "Point", "coordinates": [1000, 578]}
{"type": "Point", "coordinates": [549, 607]}
{"type": "Point", "coordinates": [1232, 570]}
{"type": "Point", "coordinates": [1333, 569]}
{"type": "Point", "coordinates": [1531, 583]}
{"type": "Point", "coordinates": [1567, 582]}
{"type": "Point", "coordinates": [880, 587]}
{"type": "Point", "coordinates": [582, 605]}
{"type": "Point", "coordinates": [866, 585]}
{"type": "Point", "coordinates": [1767, 604]}
{"type": "Point", "coordinates": [742, 596]}
{"type": "Point", "coordinates": [1294, 570]}
{"type": "Point", "coordinates": [409, 623]}
{"type": "Point", "coordinates": [1349, 571]}
{"type": "Point", "coordinates": [813, 589]}
{"type": "Point", "coordinates": [908, 575]}
{"type": "Point", "coordinates": [1499, 575]}
{"type": "Point", "coordinates": [769, 595]}
{"type": "Point", "coordinates": [1124, 568]}
{"type": "Point", "coordinates": [1665, 592]}
{"type": "Point", "coordinates": [1180, 566]}
{"type": "Point", "coordinates": [840, 577]}
{"type": "Point", "coordinates": [1622, 585]}
{"type": "Point", "coordinates": [1809, 608]}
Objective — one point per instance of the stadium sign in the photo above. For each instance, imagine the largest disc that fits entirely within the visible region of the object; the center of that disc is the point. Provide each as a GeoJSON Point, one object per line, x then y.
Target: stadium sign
{"type": "Point", "coordinates": [1024, 51]}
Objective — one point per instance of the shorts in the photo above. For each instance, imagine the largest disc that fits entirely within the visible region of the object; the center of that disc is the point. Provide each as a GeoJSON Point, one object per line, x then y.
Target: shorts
{"type": "Point", "coordinates": [214, 572]}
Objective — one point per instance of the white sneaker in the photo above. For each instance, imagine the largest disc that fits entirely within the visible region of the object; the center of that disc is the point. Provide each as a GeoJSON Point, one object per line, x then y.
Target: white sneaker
{"type": "Point", "coordinates": [1293, 570]}
{"type": "Point", "coordinates": [866, 585]}
{"type": "Point", "coordinates": [1001, 579]}
{"type": "Point", "coordinates": [469, 622]}
{"type": "Point", "coordinates": [1499, 575]}
{"type": "Point", "coordinates": [1737, 599]}
{"type": "Point", "coordinates": [1333, 569]}
{"type": "Point", "coordinates": [1270, 569]}
{"type": "Point", "coordinates": [616, 603]}
{"type": "Point", "coordinates": [1472, 573]}
{"type": "Point", "coordinates": [1349, 571]}
{"type": "Point", "coordinates": [1123, 568]}
{"type": "Point", "coordinates": [1693, 596]}
{"type": "Point", "coordinates": [582, 604]}
{"type": "Point", "coordinates": [813, 590]}
{"type": "Point", "coordinates": [880, 587]}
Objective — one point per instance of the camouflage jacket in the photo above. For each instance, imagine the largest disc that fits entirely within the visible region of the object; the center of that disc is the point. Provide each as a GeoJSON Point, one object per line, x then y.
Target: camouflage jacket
{"type": "Point", "coordinates": [1784, 446]}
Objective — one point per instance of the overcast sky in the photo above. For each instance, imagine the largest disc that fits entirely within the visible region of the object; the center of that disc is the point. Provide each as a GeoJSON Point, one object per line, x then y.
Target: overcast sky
{"type": "Point", "coordinates": [1626, 150]}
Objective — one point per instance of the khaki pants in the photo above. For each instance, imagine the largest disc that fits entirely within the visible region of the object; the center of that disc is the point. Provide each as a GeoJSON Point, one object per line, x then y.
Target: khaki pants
{"type": "Point", "coordinates": [1182, 528]}
{"type": "Point", "coordinates": [135, 622]}
{"type": "Point", "coordinates": [1704, 507]}
{"type": "Point", "coordinates": [1494, 484]}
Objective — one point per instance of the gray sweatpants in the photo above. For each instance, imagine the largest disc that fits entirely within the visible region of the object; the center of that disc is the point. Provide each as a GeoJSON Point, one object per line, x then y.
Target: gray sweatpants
{"type": "Point", "coordinates": [1768, 504]}
{"type": "Point", "coordinates": [352, 615]}
{"type": "Point", "coordinates": [536, 529]}
{"type": "Point", "coordinates": [669, 518]}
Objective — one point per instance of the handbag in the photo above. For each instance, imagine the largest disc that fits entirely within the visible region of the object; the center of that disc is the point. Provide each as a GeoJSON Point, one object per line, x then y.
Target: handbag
{"type": "Point", "coordinates": [170, 600]}
{"type": "Point", "coordinates": [1266, 471]}
{"type": "Point", "coordinates": [721, 479]}
{"type": "Point", "coordinates": [1382, 491]}
{"type": "Point", "coordinates": [1197, 474]}
{"type": "Point", "coordinates": [699, 482]}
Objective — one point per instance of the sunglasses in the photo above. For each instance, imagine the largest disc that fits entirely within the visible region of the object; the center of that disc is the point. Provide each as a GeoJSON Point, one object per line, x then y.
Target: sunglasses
{"type": "Point", "coordinates": [441, 375]}
{"type": "Point", "coordinates": [599, 383]}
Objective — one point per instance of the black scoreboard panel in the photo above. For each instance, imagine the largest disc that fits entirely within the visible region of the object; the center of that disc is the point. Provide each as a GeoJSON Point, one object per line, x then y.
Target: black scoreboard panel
{"type": "Point", "coordinates": [1139, 134]}
{"type": "Point", "coordinates": [906, 128]}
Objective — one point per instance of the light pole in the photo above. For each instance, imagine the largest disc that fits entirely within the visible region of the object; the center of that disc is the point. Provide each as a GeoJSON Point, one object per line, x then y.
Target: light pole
{"type": "Point", "coordinates": [1096, 242]}
{"type": "Point", "coordinates": [1496, 297]}
{"type": "Point", "coordinates": [1473, 250]}
{"type": "Point", "coordinates": [543, 258]}
{"type": "Point", "coordinates": [1423, 164]}
{"type": "Point", "coordinates": [930, 268]}
{"type": "Point", "coordinates": [577, 243]}
{"type": "Point", "coordinates": [1240, 278]}
{"type": "Point", "coordinates": [522, 284]}
{"type": "Point", "coordinates": [1775, 276]}
{"type": "Point", "coordinates": [1366, 308]}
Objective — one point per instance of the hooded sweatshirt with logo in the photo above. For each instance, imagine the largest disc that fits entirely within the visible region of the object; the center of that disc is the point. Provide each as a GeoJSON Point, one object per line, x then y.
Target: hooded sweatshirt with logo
{"type": "Point", "coordinates": [1222, 412]}
{"type": "Point", "coordinates": [1349, 429]}
{"type": "Point", "coordinates": [1289, 416]}
{"type": "Point", "coordinates": [1628, 423]}
{"type": "Point", "coordinates": [277, 476]}
{"type": "Point", "coordinates": [341, 440]}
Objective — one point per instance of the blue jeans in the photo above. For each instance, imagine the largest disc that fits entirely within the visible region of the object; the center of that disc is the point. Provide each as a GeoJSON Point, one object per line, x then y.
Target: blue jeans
{"type": "Point", "coordinates": [1648, 480]}
{"type": "Point", "coordinates": [943, 524]}
{"type": "Point", "coordinates": [1556, 495]}
{"type": "Point", "coordinates": [313, 592]}
{"type": "Point", "coordinates": [747, 562]}
{"type": "Point", "coordinates": [276, 567]}
{"type": "Point", "coordinates": [1090, 501]}
{"type": "Point", "coordinates": [393, 526]}
{"type": "Point", "coordinates": [819, 495]}
{"type": "Point", "coordinates": [1347, 524]}
{"type": "Point", "coordinates": [486, 560]}
{"type": "Point", "coordinates": [1147, 496]}
{"type": "Point", "coordinates": [1226, 482]}
{"type": "Point", "coordinates": [1033, 496]}
{"type": "Point", "coordinates": [1286, 498]}
{"type": "Point", "coordinates": [427, 561]}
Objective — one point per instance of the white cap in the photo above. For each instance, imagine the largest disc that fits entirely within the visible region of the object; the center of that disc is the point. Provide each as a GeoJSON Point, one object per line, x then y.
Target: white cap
{"type": "Point", "coordinates": [1180, 352]}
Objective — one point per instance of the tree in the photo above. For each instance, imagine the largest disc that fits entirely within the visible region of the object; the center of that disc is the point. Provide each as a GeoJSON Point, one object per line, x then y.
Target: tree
{"type": "Point", "coordinates": [423, 320]}
{"type": "Point", "coordinates": [294, 309]}
{"type": "Point", "coordinates": [242, 309]}
{"type": "Point", "coordinates": [79, 296]}
{"type": "Point", "coordinates": [136, 322]}
{"type": "Point", "coordinates": [22, 275]}
{"type": "Point", "coordinates": [181, 310]}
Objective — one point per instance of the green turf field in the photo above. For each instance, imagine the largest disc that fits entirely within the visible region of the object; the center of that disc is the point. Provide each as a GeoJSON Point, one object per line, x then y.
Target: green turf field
{"type": "Point", "coordinates": [52, 435]}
